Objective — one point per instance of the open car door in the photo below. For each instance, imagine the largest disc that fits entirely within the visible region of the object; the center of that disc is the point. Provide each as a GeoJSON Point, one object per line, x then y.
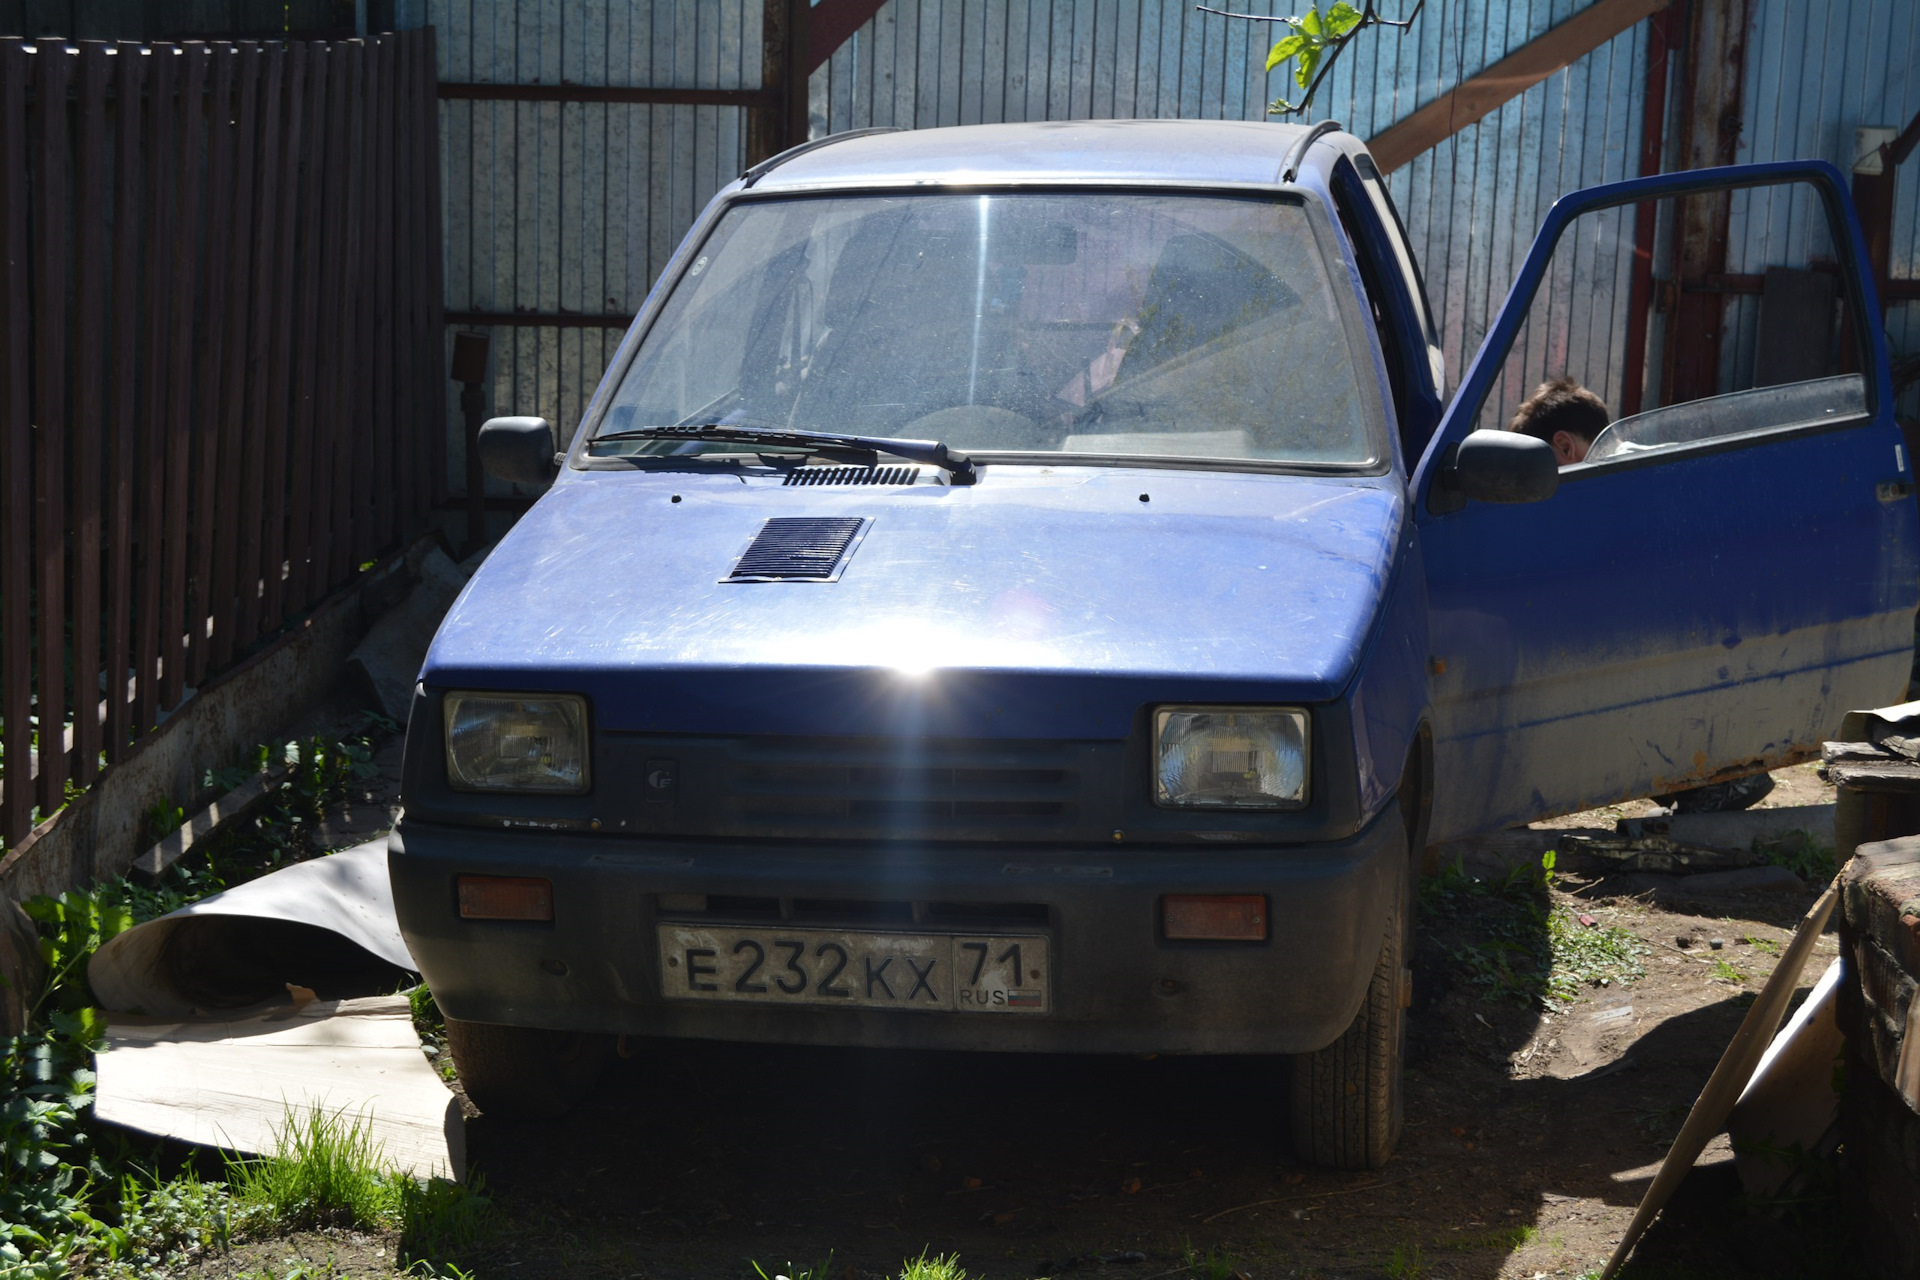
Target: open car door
{"type": "Point", "coordinates": [1727, 573]}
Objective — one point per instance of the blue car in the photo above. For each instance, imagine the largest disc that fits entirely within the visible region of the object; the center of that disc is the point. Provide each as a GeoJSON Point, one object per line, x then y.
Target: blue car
{"type": "Point", "coordinates": [1030, 588]}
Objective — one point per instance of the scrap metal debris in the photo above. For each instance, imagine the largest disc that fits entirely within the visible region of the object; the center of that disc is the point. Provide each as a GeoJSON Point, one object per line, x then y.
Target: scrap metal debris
{"type": "Point", "coordinates": [237, 1082]}
{"type": "Point", "coordinates": [204, 1046]}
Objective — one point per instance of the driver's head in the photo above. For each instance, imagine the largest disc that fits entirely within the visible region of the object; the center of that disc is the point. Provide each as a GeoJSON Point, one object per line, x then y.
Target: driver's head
{"type": "Point", "coordinates": [1564, 414]}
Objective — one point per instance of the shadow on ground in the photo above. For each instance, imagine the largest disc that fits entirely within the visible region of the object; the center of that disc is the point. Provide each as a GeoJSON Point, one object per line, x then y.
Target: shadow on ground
{"type": "Point", "coordinates": [698, 1159]}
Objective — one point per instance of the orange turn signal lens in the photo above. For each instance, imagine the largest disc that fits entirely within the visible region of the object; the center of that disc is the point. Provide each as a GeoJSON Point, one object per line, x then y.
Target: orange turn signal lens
{"type": "Point", "coordinates": [1224, 917]}
{"type": "Point", "coordinates": [505, 898]}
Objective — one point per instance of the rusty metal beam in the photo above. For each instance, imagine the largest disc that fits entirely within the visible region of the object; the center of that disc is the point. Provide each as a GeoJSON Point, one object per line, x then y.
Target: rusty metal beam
{"type": "Point", "coordinates": [1661, 30]}
{"type": "Point", "coordinates": [1710, 77]}
{"type": "Point", "coordinates": [1480, 95]}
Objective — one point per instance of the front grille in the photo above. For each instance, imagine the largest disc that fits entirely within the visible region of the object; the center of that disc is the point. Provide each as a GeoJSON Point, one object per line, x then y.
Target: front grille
{"type": "Point", "coordinates": [815, 787]}
{"type": "Point", "coordinates": [830, 788]}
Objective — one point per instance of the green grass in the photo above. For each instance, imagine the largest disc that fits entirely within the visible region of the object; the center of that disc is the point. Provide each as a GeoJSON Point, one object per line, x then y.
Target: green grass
{"type": "Point", "coordinates": [1405, 1263]}
{"type": "Point", "coordinates": [941, 1266]}
{"type": "Point", "coordinates": [1724, 971]}
{"type": "Point", "coordinates": [1505, 1238]}
{"type": "Point", "coordinates": [1767, 945]}
{"type": "Point", "coordinates": [1801, 854]}
{"type": "Point", "coordinates": [327, 1171]}
{"type": "Point", "coordinates": [1211, 1265]}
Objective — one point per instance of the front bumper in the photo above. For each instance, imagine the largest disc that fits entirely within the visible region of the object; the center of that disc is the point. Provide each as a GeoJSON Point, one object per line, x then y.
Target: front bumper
{"type": "Point", "coordinates": [1117, 986]}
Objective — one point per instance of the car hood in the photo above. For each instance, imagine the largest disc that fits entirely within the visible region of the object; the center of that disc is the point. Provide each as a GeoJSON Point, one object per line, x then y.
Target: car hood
{"type": "Point", "coordinates": [1045, 601]}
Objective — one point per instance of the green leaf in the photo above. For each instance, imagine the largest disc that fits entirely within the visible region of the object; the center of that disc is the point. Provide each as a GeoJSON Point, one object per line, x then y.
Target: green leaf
{"type": "Point", "coordinates": [1310, 21]}
{"type": "Point", "coordinates": [1307, 61]}
{"type": "Point", "coordinates": [1342, 18]}
{"type": "Point", "coordinates": [1283, 50]}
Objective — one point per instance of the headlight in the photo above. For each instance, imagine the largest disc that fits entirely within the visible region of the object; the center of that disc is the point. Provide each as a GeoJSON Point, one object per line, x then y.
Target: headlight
{"type": "Point", "coordinates": [1230, 757]}
{"type": "Point", "coordinates": [511, 742]}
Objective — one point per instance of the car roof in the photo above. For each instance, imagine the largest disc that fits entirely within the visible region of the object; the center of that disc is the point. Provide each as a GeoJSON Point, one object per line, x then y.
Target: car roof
{"type": "Point", "coordinates": [1196, 151]}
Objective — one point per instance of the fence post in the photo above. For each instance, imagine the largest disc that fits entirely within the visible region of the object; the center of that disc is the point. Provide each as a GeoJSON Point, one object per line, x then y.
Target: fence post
{"type": "Point", "coordinates": [54, 72]}
{"type": "Point", "coordinates": [16, 450]}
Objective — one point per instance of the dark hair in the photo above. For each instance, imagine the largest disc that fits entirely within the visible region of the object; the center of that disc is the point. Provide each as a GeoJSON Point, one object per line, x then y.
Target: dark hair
{"type": "Point", "coordinates": [1561, 405]}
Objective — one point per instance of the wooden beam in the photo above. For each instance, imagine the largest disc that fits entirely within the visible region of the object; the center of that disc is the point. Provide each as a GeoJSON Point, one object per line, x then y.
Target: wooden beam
{"type": "Point", "coordinates": [1513, 75]}
{"type": "Point", "coordinates": [831, 24]}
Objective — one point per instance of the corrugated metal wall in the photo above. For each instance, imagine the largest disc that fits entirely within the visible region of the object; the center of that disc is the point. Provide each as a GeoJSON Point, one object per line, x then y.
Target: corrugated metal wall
{"type": "Point", "coordinates": [1817, 69]}
{"type": "Point", "coordinates": [575, 207]}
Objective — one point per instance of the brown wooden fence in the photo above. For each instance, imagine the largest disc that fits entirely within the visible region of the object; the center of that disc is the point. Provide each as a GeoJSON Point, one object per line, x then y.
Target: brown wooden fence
{"type": "Point", "coordinates": [221, 368]}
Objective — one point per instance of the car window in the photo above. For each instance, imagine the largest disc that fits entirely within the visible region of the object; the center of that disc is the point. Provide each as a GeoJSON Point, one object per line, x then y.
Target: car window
{"type": "Point", "coordinates": [1089, 322]}
{"type": "Point", "coordinates": [1683, 358]}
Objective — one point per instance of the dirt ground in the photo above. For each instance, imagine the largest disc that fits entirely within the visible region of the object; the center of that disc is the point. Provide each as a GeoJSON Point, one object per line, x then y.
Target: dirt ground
{"type": "Point", "coordinates": [1529, 1139]}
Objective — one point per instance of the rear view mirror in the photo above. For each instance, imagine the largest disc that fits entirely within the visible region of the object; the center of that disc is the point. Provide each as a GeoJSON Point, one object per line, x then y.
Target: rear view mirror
{"type": "Point", "coordinates": [520, 450]}
{"type": "Point", "coordinates": [1497, 466]}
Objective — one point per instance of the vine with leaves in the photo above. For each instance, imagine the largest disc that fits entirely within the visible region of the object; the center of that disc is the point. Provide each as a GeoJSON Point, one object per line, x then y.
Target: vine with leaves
{"type": "Point", "coordinates": [1315, 42]}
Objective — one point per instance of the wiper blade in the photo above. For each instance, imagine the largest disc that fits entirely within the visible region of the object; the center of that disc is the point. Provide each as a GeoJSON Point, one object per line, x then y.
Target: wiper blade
{"type": "Point", "coordinates": [931, 452]}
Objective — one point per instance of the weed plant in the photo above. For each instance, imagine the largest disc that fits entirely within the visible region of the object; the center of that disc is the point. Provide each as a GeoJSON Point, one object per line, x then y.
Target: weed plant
{"type": "Point", "coordinates": [73, 1198]}
{"type": "Point", "coordinates": [1523, 946]}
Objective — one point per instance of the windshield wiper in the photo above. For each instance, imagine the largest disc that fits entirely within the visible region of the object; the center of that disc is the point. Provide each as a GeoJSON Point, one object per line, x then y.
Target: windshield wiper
{"type": "Point", "coordinates": [931, 452]}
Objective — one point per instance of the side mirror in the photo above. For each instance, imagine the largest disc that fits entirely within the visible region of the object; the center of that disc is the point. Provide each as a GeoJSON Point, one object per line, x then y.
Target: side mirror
{"type": "Point", "coordinates": [1497, 466]}
{"type": "Point", "coordinates": [520, 450]}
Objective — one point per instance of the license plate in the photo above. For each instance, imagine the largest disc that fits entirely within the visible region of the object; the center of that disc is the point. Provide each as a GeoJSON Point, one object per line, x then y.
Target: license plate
{"type": "Point", "coordinates": [938, 973]}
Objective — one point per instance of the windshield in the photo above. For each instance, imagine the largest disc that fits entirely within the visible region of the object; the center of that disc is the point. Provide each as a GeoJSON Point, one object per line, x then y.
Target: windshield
{"type": "Point", "coordinates": [1091, 322]}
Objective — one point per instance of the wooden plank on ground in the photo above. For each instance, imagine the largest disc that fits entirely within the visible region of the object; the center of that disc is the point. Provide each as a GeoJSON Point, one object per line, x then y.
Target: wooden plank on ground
{"type": "Point", "coordinates": [16, 453]}
{"type": "Point", "coordinates": [52, 207]}
{"type": "Point", "coordinates": [129, 85]}
{"type": "Point", "coordinates": [1479, 95]}
{"type": "Point", "coordinates": [89, 395]}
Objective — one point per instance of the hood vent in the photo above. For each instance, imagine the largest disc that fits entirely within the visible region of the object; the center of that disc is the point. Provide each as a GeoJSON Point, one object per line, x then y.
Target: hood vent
{"type": "Point", "coordinates": [852, 475]}
{"type": "Point", "coordinates": [799, 549]}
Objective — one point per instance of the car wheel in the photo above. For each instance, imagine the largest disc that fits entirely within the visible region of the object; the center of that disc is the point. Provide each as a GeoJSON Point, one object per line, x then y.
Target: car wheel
{"type": "Point", "coordinates": [1346, 1097]}
{"type": "Point", "coordinates": [525, 1072]}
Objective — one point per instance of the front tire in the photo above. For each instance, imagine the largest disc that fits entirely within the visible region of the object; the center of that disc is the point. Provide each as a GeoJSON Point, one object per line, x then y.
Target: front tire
{"type": "Point", "coordinates": [524, 1072]}
{"type": "Point", "coordinates": [1347, 1096]}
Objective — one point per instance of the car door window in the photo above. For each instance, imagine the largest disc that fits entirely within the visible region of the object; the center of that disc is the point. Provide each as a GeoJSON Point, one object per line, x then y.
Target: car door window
{"type": "Point", "coordinates": [1680, 359]}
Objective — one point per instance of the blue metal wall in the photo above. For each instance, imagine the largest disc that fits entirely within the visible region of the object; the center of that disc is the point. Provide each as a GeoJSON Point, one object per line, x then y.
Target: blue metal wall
{"type": "Point", "coordinates": [1816, 70]}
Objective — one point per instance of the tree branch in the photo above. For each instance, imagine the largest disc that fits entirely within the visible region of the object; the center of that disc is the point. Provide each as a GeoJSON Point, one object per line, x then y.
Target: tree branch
{"type": "Point", "coordinates": [1368, 18]}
